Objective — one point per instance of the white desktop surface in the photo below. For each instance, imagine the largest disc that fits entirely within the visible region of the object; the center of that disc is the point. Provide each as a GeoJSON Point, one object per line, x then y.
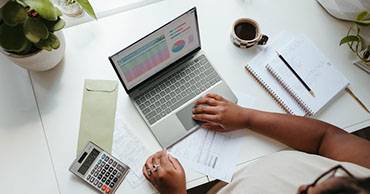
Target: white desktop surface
{"type": "Point", "coordinates": [25, 163]}
{"type": "Point", "coordinates": [59, 91]}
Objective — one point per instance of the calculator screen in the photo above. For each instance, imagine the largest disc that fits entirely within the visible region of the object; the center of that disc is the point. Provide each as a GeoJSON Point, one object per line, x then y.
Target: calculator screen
{"type": "Point", "coordinates": [89, 160]}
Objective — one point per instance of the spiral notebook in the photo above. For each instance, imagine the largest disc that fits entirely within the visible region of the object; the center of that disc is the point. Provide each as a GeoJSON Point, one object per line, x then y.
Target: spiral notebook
{"type": "Point", "coordinates": [309, 63]}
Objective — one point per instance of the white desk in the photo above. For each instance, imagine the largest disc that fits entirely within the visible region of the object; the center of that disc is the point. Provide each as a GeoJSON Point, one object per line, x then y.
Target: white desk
{"type": "Point", "coordinates": [25, 164]}
{"type": "Point", "coordinates": [59, 91]}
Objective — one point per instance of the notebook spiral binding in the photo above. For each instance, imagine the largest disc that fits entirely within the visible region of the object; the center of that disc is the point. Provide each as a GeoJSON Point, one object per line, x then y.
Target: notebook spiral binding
{"type": "Point", "coordinates": [286, 86]}
{"type": "Point", "coordinates": [270, 91]}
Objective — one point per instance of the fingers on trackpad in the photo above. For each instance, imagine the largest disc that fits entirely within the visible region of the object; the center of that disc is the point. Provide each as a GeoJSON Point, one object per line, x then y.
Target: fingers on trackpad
{"type": "Point", "coordinates": [185, 117]}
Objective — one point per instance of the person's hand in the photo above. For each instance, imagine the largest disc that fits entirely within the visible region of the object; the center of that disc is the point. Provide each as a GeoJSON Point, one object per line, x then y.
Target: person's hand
{"type": "Point", "coordinates": [165, 173]}
{"type": "Point", "coordinates": [219, 114]}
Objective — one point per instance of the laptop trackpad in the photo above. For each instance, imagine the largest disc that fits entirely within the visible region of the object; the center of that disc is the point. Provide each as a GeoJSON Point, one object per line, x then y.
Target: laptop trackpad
{"type": "Point", "coordinates": [185, 117]}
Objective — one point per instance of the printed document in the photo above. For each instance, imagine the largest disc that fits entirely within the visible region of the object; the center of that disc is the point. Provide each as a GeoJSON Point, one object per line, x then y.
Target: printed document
{"type": "Point", "coordinates": [129, 149]}
{"type": "Point", "coordinates": [212, 153]}
{"type": "Point", "coordinates": [209, 152]}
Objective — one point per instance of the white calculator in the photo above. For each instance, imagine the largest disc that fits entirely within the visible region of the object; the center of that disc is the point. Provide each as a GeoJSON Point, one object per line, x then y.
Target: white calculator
{"type": "Point", "coordinates": [100, 169]}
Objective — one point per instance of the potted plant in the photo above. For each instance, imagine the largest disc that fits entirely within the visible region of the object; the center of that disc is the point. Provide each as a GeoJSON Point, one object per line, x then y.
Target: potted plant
{"type": "Point", "coordinates": [356, 41]}
{"type": "Point", "coordinates": [30, 33]}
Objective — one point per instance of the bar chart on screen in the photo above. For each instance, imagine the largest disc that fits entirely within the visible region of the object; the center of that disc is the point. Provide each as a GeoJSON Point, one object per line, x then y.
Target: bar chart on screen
{"type": "Point", "coordinates": [145, 58]}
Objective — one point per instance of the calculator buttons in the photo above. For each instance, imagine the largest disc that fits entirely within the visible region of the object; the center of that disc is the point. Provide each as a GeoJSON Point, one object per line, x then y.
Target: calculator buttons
{"type": "Point", "coordinates": [104, 172]}
{"type": "Point", "coordinates": [115, 180]}
{"type": "Point", "coordinates": [120, 168]}
{"type": "Point", "coordinates": [104, 187]}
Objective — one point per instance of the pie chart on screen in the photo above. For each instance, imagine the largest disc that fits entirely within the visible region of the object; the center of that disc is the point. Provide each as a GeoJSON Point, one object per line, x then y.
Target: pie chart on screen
{"type": "Point", "coordinates": [178, 46]}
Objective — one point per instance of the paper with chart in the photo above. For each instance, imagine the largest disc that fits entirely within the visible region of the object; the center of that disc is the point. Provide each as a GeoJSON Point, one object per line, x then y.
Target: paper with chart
{"type": "Point", "coordinates": [129, 149]}
{"type": "Point", "coordinates": [210, 153]}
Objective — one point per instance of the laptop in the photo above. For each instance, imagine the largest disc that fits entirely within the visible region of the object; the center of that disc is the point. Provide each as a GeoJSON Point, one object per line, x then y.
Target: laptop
{"type": "Point", "coordinates": [164, 73]}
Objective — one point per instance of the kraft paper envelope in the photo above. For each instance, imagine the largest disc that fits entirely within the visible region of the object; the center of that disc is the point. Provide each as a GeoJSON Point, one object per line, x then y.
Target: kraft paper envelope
{"type": "Point", "coordinates": [98, 114]}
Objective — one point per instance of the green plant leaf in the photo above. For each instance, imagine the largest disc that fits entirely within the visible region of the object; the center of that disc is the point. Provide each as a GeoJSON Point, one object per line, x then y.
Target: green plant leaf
{"type": "Point", "coordinates": [49, 44]}
{"type": "Point", "coordinates": [348, 39]}
{"type": "Point", "coordinates": [85, 4]}
{"type": "Point", "coordinates": [59, 13]}
{"type": "Point", "coordinates": [363, 22]}
{"type": "Point", "coordinates": [362, 15]}
{"type": "Point", "coordinates": [35, 30]}
{"type": "Point", "coordinates": [54, 25]}
{"type": "Point", "coordinates": [13, 13]}
{"type": "Point", "coordinates": [45, 8]}
{"type": "Point", "coordinates": [12, 39]}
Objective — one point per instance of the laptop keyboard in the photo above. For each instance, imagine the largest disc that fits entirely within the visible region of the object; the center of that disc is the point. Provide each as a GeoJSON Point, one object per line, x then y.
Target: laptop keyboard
{"type": "Point", "coordinates": [177, 89]}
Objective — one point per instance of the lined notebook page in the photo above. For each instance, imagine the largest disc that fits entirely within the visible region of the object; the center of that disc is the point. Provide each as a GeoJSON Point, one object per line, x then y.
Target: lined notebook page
{"type": "Point", "coordinates": [314, 68]}
{"type": "Point", "coordinates": [257, 68]}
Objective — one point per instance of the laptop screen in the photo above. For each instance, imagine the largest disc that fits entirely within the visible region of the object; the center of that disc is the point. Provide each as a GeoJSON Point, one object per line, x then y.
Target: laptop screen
{"type": "Point", "coordinates": [157, 50]}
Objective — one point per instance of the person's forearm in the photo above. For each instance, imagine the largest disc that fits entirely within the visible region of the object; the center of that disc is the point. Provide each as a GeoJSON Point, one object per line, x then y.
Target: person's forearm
{"type": "Point", "coordinates": [297, 132]}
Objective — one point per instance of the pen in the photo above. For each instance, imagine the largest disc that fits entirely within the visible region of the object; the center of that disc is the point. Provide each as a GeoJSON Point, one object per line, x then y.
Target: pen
{"type": "Point", "coordinates": [296, 74]}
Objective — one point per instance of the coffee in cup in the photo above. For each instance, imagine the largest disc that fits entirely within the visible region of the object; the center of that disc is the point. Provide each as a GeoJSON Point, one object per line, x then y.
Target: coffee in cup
{"type": "Point", "coordinates": [246, 33]}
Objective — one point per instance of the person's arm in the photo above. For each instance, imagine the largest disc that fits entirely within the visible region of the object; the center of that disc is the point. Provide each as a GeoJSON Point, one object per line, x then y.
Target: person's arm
{"type": "Point", "coordinates": [304, 134]}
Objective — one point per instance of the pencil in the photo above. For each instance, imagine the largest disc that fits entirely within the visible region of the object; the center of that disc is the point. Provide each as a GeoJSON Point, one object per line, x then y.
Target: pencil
{"type": "Point", "coordinates": [357, 99]}
{"type": "Point", "coordinates": [296, 74]}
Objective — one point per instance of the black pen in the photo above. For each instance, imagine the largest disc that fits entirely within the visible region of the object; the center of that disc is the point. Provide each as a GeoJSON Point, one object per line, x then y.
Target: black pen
{"type": "Point", "coordinates": [296, 74]}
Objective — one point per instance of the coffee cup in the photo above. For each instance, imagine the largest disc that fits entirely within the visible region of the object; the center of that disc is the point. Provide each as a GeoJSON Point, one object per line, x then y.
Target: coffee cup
{"type": "Point", "coordinates": [246, 33]}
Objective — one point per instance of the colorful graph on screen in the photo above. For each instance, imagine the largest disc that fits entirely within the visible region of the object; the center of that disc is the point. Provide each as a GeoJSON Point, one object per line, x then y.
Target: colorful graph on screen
{"type": "Point", "coordinates": [145, 58]}
{"type": "Point", "coordinates": [179, 30]}
{"type": "Point", "coordinates": [178, 46]}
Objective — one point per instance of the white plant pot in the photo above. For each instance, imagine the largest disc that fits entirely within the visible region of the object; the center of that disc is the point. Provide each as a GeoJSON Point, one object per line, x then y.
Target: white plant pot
{"type": "Point", "coordinates": [42, 60]}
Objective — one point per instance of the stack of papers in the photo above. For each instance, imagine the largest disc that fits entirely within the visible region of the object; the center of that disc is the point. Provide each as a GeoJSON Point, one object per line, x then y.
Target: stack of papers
{"type": "Point", "coordinates": [128, 149]}
{"type": "Point", "coordinates": [208, 152]}
{"type": "Point", "coordinates": [213, 153]}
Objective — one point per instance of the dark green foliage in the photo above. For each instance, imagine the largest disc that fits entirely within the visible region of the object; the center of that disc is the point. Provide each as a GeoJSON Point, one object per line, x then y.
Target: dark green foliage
{"type": "Point", "coordinates": [355, 41]}
{"type": "Point", "coordinates": [26, 26]}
